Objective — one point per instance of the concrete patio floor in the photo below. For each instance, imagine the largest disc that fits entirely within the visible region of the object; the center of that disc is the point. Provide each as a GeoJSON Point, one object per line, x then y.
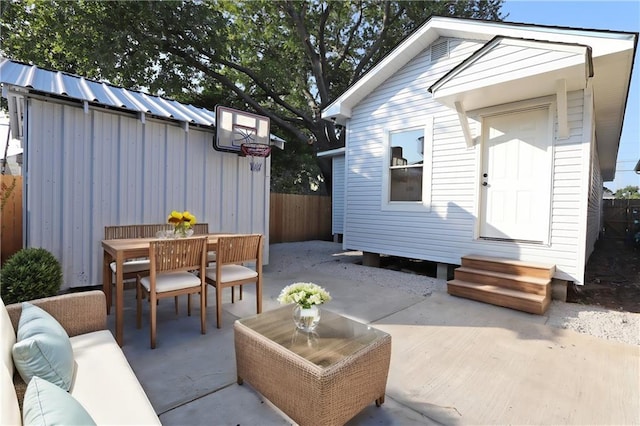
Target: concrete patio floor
{"type": "Point", "coordinates": [454, 361]}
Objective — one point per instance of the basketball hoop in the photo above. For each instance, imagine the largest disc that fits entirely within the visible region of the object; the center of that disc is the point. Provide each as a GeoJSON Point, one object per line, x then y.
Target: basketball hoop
{"type": "Point", "coordinates": [255, 150]}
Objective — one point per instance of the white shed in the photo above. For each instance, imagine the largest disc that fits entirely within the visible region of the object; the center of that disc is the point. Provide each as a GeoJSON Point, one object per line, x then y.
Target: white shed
{"type": "Point", "coordinates": [97, 155]}
{"type": "Point", "coordinates": [485, 138]}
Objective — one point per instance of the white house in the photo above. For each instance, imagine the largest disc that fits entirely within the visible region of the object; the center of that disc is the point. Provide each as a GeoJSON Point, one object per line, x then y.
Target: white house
{"type": "Point", "coordinates": [485, 138]}
{"type": "Point", "coordinates": [97, 155]}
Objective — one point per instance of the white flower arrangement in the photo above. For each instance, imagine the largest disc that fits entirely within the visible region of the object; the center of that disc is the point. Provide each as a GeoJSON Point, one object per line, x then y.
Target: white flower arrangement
{"type": "Point", "coordinates": [304, 294]}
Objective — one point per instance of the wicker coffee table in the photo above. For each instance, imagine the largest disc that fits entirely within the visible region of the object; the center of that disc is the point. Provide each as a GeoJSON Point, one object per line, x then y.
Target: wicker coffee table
{"type": "Point", "coordinates": [324, 378]}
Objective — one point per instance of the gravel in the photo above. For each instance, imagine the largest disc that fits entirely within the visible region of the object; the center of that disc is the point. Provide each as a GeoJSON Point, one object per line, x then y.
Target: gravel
{"type": "Point", "coordinates": [619, 326]}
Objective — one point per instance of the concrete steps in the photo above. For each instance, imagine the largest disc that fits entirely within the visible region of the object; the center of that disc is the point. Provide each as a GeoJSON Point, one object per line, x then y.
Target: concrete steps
{"type": "Point", "coordinates": [514, 284]}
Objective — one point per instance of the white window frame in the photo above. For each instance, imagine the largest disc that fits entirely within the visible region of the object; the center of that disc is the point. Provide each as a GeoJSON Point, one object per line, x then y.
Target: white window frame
{"type": "Point", "coordinates": [425, 203]}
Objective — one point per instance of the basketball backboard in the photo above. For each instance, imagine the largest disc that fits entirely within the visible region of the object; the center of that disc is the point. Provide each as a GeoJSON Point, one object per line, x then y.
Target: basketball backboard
{"type": "Point", "coordinates": [235, 127]}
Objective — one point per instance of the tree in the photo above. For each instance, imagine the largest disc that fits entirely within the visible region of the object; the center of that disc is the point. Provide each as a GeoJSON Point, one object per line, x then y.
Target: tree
{"type": "Point", "coordinates": [286, 59]}
{"type": "Point", "coordinates": [628, 192]}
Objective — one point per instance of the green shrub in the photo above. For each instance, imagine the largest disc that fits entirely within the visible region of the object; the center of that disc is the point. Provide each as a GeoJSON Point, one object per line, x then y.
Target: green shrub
{"type": "Point", "coordinates": [31, 273]}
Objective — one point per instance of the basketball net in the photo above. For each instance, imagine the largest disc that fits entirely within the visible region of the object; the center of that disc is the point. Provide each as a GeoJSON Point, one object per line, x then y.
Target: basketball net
{"type": "Point", "coordinates": [255, 151]}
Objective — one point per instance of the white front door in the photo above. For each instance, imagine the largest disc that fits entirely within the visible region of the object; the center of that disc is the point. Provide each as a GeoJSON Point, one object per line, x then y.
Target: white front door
{"type": "Point", "coordinates": [516, 176]}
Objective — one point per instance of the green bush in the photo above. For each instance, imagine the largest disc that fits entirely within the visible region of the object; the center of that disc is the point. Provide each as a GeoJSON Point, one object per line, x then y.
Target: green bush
{"type": "Point", "coordinates": [31, 273]}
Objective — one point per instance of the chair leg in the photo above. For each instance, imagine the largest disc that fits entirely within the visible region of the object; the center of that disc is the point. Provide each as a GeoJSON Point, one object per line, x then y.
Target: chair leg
{"type": "Point", "coordinates": [203, 312]}
{"type": "Point", "coordinates": [233, 294]}
{"type": "Point", "coordinates": [240, 291]}
{"type": "Point", "coordinates": [138, 305]}
{"type": "Point", "coordinates": [218, 307]}
{"type": "Point", "coordinates": [175, 304]}
{"type": "Point", "coordinates": [259, 295]}
{"type": "Point", "coordinates": [109, 294]}
{"type": "Point", "coordinates": [152, 327]}
{"type": "Point", "coordinates": [189, 304]}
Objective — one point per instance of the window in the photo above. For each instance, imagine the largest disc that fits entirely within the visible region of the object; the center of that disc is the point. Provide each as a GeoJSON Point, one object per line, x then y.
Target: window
{"type": "Point", "coordinates": [406, 166]}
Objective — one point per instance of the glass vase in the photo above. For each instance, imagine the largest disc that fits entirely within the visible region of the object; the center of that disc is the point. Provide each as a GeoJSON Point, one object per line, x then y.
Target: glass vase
{"type": "Point", "coordinates": [306, 319]}
{"type": "Point", "coordinates": [182, 232]}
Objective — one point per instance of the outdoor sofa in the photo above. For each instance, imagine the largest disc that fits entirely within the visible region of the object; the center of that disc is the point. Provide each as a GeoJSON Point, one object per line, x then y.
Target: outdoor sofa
{"type": "Point", "coordinates": [101, 383]}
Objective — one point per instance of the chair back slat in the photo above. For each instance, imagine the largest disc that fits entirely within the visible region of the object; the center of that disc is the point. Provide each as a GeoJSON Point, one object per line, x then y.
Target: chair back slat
{"type": "Point", "coordinates": [200, 228]}
{"type": "Point", "coordinates": [150, 230]}
{"type": "Point", "coordinates": [239, 249]}
{"type": "Point", "coordinates": [181, 254]}
{"type": "Point", "coordinates": [119, 232]}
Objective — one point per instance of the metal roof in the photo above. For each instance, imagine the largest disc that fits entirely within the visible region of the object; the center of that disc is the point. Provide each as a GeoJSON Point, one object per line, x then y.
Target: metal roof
{"type": "Point", "coordinates": [79, 88]}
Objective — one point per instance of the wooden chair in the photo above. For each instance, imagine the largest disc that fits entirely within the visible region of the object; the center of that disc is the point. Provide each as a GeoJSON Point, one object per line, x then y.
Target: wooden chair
{"type": "Point", "coordinates": [131, 268]}
{"type": "Point", "coordinates": [229, 271]}
{"type": "Point", "coordinates": [171, 263]}
{"type": "Point", "coordinates": [203, 229]}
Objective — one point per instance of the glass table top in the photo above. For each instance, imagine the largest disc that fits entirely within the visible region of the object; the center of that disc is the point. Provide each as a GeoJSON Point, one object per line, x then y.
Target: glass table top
{"type": "Point", "coordinates": [335, 338]}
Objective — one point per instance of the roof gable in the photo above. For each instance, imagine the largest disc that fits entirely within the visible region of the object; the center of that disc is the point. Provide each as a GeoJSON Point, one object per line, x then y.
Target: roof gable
{"type": "Point", "coordinates": [511, 69]}
{"type": "Point", "coordinates": [612, 56]}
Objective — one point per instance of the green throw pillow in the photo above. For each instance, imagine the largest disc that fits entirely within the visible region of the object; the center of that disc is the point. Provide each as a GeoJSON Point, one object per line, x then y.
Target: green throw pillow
{"type": "Point", "coordinates": [47, 404]}
{"type": "Point", "coordinates": [43, 348]}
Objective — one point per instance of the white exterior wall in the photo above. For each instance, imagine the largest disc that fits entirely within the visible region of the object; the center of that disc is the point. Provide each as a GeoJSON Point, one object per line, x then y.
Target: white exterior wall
{"type": "Point", "coordinates": [594, 214]}
{"type": "Point", "coordinates": [337, 195]}
{"type": "Point", "coordinates": [444, 230]}
{"type": "Point", "coordinates": [84, 171]}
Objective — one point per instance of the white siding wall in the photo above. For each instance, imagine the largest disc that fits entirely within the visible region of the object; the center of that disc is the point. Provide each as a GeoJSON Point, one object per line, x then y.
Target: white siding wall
{"type": "Point", "coordinates": [86, 171]}
{"type": "Point", "coordinates": [337, 195]}
{"type": "Point", "coordinates": [594, 215]}
{"type": "Point", "coordinates": [445, 232]}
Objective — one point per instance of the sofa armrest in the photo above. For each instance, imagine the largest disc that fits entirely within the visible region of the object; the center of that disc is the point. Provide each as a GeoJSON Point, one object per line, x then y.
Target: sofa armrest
{"type": "Point", "coordinates": [78, 313]}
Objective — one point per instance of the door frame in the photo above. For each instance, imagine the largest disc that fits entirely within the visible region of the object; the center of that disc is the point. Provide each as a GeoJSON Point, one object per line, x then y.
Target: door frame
{"type": "Point", "coordinates": [548, 103]}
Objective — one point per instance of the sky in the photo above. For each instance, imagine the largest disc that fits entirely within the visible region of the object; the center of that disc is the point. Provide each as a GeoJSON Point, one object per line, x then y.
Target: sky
{"type": "Point", "coordinates": [601, 15]}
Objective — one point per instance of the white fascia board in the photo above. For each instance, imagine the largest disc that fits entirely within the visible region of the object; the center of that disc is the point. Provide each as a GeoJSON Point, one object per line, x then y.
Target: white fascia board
{"type": "Point", "coordinates": [340, 109]}
{"type": "Point", "coordinates": [602, 42]}
{"type": "Point", "coordinates": [276, 141]}
{"type": "Point", "coordinates": [331, 153]}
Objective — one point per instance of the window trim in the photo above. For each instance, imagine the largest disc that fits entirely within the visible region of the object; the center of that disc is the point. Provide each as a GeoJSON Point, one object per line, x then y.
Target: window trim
{"type": "Point", "coordinates": [385, 194]}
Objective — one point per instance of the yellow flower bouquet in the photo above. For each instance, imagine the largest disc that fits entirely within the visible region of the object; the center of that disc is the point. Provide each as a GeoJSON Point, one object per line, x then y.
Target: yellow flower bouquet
{"type": "Point", "coordinates": [182, 222]}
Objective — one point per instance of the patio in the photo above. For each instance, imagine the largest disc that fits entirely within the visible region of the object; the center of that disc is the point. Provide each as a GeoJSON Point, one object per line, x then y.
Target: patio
{"type": "Point", "coordinates": [454, 361]}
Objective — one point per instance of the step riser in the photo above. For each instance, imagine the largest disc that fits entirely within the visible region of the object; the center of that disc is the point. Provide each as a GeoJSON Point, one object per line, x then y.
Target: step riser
{"type": "Point", "coordinates": [507, 268]}
{"type": "Point", "coordinates": [527, 287]}
{"type": "Point", "coordinates": [499, 299]}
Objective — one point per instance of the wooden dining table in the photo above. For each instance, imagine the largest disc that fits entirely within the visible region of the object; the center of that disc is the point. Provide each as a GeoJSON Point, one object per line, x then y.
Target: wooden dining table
{"type": "Point", "coordinates": [121, 250]}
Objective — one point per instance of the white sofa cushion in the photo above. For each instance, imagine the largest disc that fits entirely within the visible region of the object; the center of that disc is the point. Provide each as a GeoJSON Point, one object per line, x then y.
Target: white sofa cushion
{"type": "Point", "coordinates": [105, 383]}
{"type": "Point", "coordinates": [8, 338]}
{"type": "Point", "coordinates": [9, 409]}
{"type": "Point", "coordinates": [47, 404]}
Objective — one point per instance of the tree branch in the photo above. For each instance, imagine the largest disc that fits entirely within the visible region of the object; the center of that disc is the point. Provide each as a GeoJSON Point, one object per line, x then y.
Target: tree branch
{"type": "Point", "coordinates": [352, 32]}
{"type": "Point", "coordinates": [312, 55]}
{"type": "Point", "coordinates": [387, 21]}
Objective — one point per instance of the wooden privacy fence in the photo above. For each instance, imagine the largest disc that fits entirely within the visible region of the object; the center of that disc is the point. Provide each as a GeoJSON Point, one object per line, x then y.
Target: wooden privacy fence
{"type": "Point", "coordinates": [294, 217]}
{"type": "Point", "coordinates": [620, 218]}
{"type": "Point", "coordinates": [11, 216]}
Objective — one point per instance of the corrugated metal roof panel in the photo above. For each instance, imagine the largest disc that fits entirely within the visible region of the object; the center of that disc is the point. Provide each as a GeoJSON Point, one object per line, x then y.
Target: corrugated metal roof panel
{"type": "Point", "coordinates": [80, 88]}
